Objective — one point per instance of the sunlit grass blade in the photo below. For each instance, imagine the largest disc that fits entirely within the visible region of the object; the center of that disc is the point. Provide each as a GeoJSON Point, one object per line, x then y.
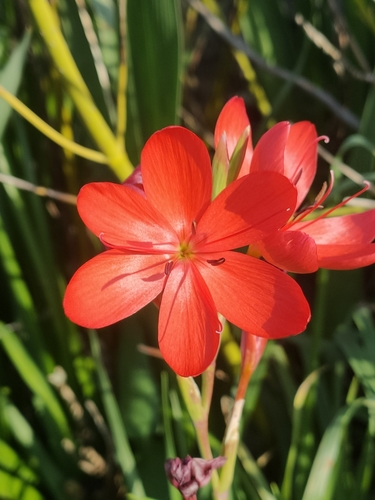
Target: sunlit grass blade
{"type": "Point", "coordinates": [24, 434]}
{"type": "Point", "coordinates": [299, 457]}
{"type": "Point", "coordinates": [326, 469]}
{"type": "Point", "coordinates": [254, 476]}
{"type": "Point", "coordinates": [17, 480]}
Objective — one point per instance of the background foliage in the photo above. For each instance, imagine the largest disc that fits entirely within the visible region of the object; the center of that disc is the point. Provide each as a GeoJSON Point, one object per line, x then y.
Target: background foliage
{"type": "Point", "coordinates": [90, 415]}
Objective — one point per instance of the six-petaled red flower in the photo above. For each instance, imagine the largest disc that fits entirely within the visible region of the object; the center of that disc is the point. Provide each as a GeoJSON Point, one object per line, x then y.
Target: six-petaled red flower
{"type": "Point", "coordinates": [172, 240]}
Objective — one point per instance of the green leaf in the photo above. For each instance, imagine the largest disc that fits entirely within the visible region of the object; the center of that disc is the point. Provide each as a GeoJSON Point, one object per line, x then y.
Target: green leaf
{"type": "Point", "coordinates": [155, 55]}
{"type": "Point", "coordinates": [10, 77]}
{"type": "Point", "coordinates": [138, 392]}
{"type": "Point", "coordinates": [124, 453]}
{"type": "Point", "coordinates": [325, 471]}
{"type": "Point", "coordinates": [359, 348]}
{"type": "Point", "coordinates": [24, 434]}
{"type": "Point", "coordinates": [33, 377]}
{"type": "Point", "coordinates": [77, 40]}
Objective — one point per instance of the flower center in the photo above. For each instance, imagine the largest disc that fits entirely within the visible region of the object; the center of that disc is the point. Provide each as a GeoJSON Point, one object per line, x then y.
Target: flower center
{"type": "Point", "coordinates": [185, 250]}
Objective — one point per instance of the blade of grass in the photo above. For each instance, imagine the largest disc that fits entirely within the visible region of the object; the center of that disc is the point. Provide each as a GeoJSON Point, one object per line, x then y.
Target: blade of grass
{"type": "Point", "coordinates": [155, 63]}
{"type": "Point", "coordinates": [170, 448]}
{"type": "Point", "coordinates": [124, 453]}
{"type": "Point", "coordinates": [325, 471]}
{"type": "Point", "coordinates": [298, 461]}
{"type": "Point", "coordinates": [33, 377]}
{"type": "Point", "coordinates": [24, 434]}
{"type": "Point", "coordinates": [10, 77]}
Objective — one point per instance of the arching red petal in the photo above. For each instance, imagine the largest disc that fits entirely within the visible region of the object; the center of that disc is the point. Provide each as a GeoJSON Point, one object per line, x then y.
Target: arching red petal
{"type": "Point", "coordinates": [232, 121]}
{"type": "Point", "coordinates": [300, 157]}
{"type": "Point", "coordinates": [177, 177]}
{"type": "Point", "coordinates": [342, 257]}
{"type": "Point", "coordinates": [123, 217]}
{"type": "Point", "coordinates": [293, 251]}
{"type": "Point", "coordinates": [343, 230]}
{"type": "Point", "coordinates": [246, 211]}
{"type": "Point", "coordinates": [113, 286]}
{"type": "Point", "coordinates": [188, 322]}
{"type": "Point", "coordinates": [269, 152]}
{"type": "Point", "coordinates": [256, 296]}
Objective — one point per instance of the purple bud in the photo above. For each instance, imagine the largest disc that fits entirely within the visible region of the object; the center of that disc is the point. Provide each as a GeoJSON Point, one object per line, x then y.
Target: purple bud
{"type": "Point", "coordinates": [190, 474]}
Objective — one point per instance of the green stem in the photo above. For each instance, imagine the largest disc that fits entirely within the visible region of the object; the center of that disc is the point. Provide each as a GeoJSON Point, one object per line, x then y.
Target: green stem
{"type": "Point", "coordinates": [318, 316]}
{"type": "Point", "coordinates": [199, 415]}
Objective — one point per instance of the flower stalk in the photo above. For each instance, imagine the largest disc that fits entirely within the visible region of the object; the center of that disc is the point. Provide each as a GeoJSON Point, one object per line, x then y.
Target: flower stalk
{"type": "Point", "coordinates": [199, 415]}
{"type": "Point", "coordinates": [252, 349]}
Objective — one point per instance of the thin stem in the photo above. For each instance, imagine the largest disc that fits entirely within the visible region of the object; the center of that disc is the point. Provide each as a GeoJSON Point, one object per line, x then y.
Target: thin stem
{"type": "Point", "coordinates": [38, 190]}
{"type": "Point", "coordinates": [50, 132]}
{"type": "Point", "coordinates": [208, 378]}
{"type": "Point", "coordinates": [317, 322]}
{"type": "Point", "coordinates": [252, 349]}
{"type": "Point", "coordinates": [199, 415]}
{"type": "Point", "coordinates": [122, 82]}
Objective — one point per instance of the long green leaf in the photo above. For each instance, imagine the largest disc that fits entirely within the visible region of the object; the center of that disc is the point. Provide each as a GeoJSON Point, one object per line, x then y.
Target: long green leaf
{"type": "Point", "coordinates": [325, 471]}
{"type": "Point", "coordinates": [155, 62]}
{"type": "Point", "coordinates": [33, 377]}
{"type": "Point", "coordinates": [10, 77]}
{"type": "Point", "coordinates": [124, 453]}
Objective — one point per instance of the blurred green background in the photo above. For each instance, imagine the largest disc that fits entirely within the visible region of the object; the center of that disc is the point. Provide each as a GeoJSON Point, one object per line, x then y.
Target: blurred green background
{"type": "Point", "coordinates": [90, 415]}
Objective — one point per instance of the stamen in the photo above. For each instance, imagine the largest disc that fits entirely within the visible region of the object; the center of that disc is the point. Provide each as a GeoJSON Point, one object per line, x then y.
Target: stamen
{"type": "Point", "coordinates": [216, 262]}
{"type": "Point", "coordinates": [168, 267]}
{"type": "Point", "coordinates": [343, 203]}
{"type": "Point", "coordinates": [298, 172]}
{"type": "Point", "coordinates": [320, 198]}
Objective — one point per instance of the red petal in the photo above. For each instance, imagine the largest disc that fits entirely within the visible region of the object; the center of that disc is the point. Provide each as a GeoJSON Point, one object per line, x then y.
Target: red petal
{"type": "Point", "coordinates": [135, 180]}
{"type": "Point", "coordinates": [301, 156]}
{"type": "Point", "coordinates": [123, 217]}
{"type": "Point", "coordinates": [112, 286]}
{"type": "Point", "coordinates": [232, 121]}
{"type": "Point", "coordinates": [269, 152]}
{"type": "Point", "coordinates": [293, 251]}
{"type": "Point", "coordinates": [256, 296]}
{"type": "Point", "coordinates": [246, 211]}
{"type": "Point", "coordinates": [341, 257]}
{"type": "Point", "coordinates": [346, 229]}
{"type": "Point", "coordinates": [177, 177]}
{"type": "Point", "coordinates": [188, 322]}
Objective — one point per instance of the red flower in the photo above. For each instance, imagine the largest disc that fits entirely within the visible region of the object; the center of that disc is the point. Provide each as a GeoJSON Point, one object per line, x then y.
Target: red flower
{"type": "Point", "coordinates": [300, 246]}
{"type": "Point", "coordinates": [173, 239]}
